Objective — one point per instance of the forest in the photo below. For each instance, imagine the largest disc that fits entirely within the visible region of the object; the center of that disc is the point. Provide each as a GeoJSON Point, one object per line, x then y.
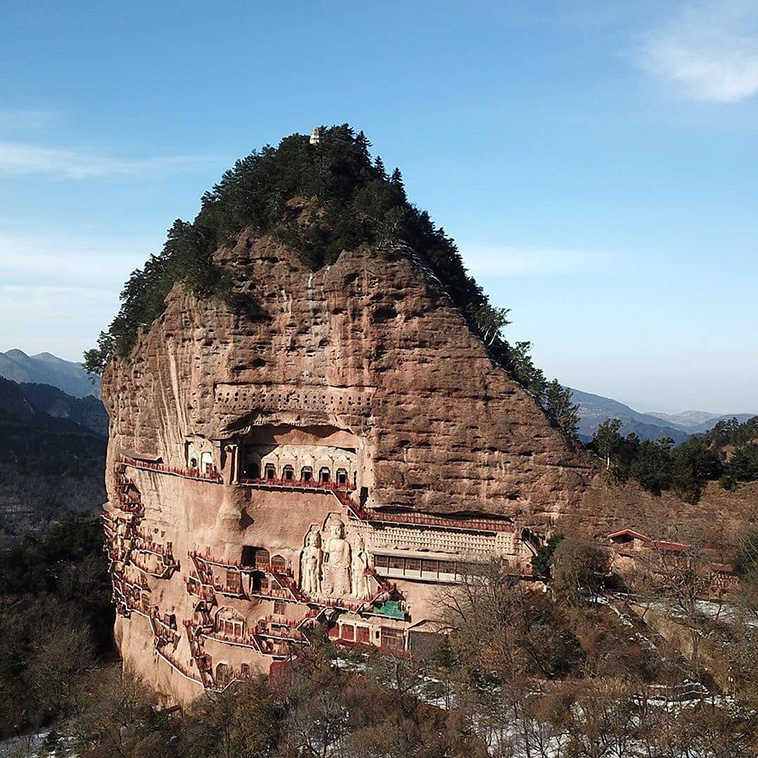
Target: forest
{"type": "Point", "coordinates": [727, 454]}
{"type": "Point", "coordinates": [51, 465]}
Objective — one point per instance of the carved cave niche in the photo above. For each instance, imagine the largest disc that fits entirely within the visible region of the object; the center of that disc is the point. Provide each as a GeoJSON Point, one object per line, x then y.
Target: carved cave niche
{"type": "Point", "coordinates": [230, 622]}
{"type": "Point", "coordinates": [254, 555]}
{"type": "Point", "coordinates": [233, 580]}
{"type": "Point", "coordinates": [198, 456]}
{"type": "Point", "coordinates": [259, 583]}
{"type": "Point", "coordinates": [251, 466]}
{"type": "Point", "coordinates": [207, 466]}
{"type": "Point", "coordinates": [294, 453]}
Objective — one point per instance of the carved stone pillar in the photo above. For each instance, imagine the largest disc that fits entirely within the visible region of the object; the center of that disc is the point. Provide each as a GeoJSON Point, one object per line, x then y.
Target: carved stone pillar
{"type": "Point", "coordinates": [231, 463]}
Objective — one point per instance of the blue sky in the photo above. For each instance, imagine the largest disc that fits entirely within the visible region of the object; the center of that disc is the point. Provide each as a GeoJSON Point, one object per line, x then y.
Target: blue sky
{"type": "Point", "coordinates": [595, 161]}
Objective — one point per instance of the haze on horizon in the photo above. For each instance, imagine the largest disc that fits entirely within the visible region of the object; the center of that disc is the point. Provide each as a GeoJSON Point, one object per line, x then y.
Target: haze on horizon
{"type": "Point", "coordinates": [596, 163]}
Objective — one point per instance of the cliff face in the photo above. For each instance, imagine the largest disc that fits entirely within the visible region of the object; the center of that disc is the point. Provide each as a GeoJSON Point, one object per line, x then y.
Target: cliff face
{"type": "Point", "coordinates": [329, 456]}
{"type": "Point", "coordinates": [371, 345]}
{"type": "Point", "coordinates": [277, 468]}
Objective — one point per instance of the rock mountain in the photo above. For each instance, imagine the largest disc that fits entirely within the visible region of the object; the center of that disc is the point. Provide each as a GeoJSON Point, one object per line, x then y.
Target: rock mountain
{"type": "Point", "coordinates": [307, 427]}
{"type": "Point", "coordinates": [45, 368]}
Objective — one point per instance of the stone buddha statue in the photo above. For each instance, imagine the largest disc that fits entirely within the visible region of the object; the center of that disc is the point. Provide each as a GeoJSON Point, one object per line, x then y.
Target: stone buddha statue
{"type": "Point", "coordinates": [338, 565]}
{"type": "Point", "coordinates": [310, 578]}
{"type": "Point", "coordinates": [360, 564]}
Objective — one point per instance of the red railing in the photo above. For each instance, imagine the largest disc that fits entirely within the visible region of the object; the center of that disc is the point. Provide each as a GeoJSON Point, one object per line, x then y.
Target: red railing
{"type": "Point", "coordinates": [247, 640]}
{"type": "Point", "coordinates": [275, 648]}
{"type": "Point", "coordinates": [157, 572]}
{"type": "Point", "coordinates": [284, 633]}
{"type": "Point", "coordinates": [384, 584]}
{"type": "Point", "coordinates": [288, 583]}
{"type": "Point", "coordinates": [133, 506]}
{"type": "Point", "coordinates": [273, 593]}
{"type": "Point", "coordinates": [139, 582]}
{"type": "Point", "coordinates": [424, 519]}
{"type": "Point", "coordinates": [180, 667]}
{"type": "Point", "coordinates": [206, 557]}
{"type": "Point", "coordinates": [163, 633]}
{"type": "Point", "coordinates": [297, 484]}
{"type": "Point", "coordinates": [207, 589]}
{"type": "Point", "coordinates": [311, 614]}
{"type": "Point", "coordinates": [144, 545]}
{"type": "Point", "coordinates": [162, 468]}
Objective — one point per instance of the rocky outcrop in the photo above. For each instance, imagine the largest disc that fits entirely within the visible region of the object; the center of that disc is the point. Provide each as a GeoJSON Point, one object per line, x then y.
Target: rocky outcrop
{"type": "Point", "coordinates": [223, 424]}
{"type": "Point", "coordinates": [347, 412]}
{"type": "Point", "coordinates": [371, 344]}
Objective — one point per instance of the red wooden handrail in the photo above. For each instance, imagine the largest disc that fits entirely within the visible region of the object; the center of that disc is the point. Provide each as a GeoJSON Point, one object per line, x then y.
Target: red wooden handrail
{"type": "Point", "coordinates": [162, 468]}
{"type": "Point", "coordinates": [296, 484]}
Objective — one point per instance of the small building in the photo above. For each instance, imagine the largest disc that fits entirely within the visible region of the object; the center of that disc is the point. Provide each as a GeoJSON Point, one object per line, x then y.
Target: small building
{"type": "Point", "coordinates": [628, 541]}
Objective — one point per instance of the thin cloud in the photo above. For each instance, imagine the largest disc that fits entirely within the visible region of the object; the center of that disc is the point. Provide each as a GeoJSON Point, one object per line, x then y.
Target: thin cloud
{"type": "Point", "coordinates": [524, 261]}
{"type": "Point", "coordinates": [709, 51]}
{"type": "Point", "coordinates": [48, 261]}
{"type": "Point", "coordinates": [57, 293]}
{"type": "Point", "coordinates": [18, 159]}
{"type": "Point", "coordinates": [27, 119]}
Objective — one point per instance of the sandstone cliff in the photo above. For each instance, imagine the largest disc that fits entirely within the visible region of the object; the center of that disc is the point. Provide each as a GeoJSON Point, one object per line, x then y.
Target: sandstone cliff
{"type": "Point", "coordinates": [381, 350]}
{"type": "Point", "coordinates": [330, 440]}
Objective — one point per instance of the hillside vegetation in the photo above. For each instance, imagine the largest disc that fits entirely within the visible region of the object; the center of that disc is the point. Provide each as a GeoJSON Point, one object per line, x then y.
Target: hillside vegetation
{"type": "Point", "coordinates": [319, 200]}
{"type": "Point", "coordinates": [55, 618]}
{"type": "Point", "coordinates": [728, 453]}
{"type": "Point", "coordinates": [50, 465]}
{"type": "Point", "coordinates": [519, 674]}
{"type": "Point", "coordinates": [88, 411]}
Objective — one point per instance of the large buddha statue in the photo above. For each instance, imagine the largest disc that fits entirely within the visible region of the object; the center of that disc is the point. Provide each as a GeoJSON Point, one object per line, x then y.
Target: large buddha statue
{"type": "Point", "coordinates": [338, 565]}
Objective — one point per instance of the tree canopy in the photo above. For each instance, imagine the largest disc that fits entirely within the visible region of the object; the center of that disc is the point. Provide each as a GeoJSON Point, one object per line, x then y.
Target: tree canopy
{"type": "Point", "coordinates": [728, 453]}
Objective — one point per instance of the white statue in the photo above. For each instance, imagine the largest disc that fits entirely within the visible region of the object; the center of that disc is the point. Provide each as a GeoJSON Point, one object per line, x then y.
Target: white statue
{"type": "Point", "coordinates": [360, 564]}
{"type": "Point", "coordinates": [310, 578]}
{"type": "Point", "coordinates": [338, 564]}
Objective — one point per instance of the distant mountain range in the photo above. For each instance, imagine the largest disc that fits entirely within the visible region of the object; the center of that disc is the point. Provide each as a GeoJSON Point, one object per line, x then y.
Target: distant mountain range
{"type": "Point", "coordinates": [48, 409]}
{"type": "Point", "coordinates": [595, 409]}
{"type": "Point", "coordinates": [45, 368]}
{"type": "Point", "coordinates": [88, 412]}
{"type": "Point", "coordinates": [77, 399]}
{"type": "Point", "coordinates": [53, 455]}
